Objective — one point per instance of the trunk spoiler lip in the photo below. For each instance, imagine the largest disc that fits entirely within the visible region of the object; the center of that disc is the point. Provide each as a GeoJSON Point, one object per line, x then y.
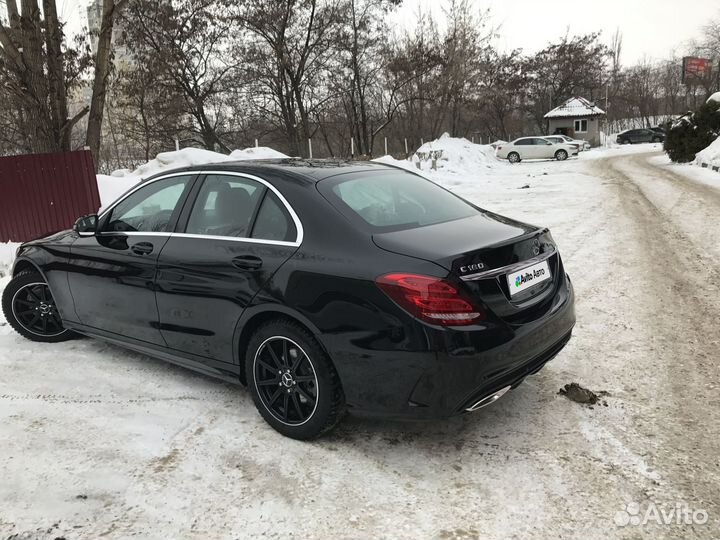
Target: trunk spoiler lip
{"type": "Point", "coordinates": [510, 267]}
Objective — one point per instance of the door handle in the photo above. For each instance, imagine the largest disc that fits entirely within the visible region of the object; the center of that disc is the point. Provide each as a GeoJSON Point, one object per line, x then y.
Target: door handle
{"type": "Point", "coordinates": [248, 262]}
{"type": "Point", "coordinates": [142, 248]}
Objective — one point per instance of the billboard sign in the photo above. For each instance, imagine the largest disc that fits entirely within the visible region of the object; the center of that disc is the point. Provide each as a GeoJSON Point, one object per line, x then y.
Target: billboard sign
{"type": "Point", "coordinates": [696, 70]}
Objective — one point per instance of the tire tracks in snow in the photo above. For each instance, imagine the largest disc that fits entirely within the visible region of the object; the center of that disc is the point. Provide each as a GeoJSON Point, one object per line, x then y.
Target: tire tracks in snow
{"type": "Point", "coordinates": [99, 399]}
{"type": "Point", "coordinates": [671, 280]}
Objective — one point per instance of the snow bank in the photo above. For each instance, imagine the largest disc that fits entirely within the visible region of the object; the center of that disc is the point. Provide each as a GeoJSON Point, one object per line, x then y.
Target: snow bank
{"type": "Point", "coordinates": [407, 164]}
{"type": "Point", "coordinates": [258, 152]}
{"type": "Point", "coordinates": [459, 155]}
{"type": "Point", "coordinates": [711, 155]}
{"type": "Point", "coordinates": [174, 160]}
{"type": "Point", "coordinates": [111, 187]}
{"type": "Point", "coordinates": [7, 254]}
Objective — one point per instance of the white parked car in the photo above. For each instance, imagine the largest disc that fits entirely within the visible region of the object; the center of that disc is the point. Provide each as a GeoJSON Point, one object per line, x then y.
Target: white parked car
{"type": "Point", "coordinates": [535, 148]}
{"type": "Point", "coordinates": [559, 138]}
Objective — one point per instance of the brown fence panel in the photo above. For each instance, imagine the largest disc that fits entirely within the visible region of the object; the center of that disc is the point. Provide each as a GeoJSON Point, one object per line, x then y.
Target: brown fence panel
{"type": "Point", "coordinates": [44, 193]}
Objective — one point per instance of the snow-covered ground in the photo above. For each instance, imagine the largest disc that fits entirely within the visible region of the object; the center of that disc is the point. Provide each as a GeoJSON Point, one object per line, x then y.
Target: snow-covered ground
{"type": "Point", "coordinates": [97, 441]}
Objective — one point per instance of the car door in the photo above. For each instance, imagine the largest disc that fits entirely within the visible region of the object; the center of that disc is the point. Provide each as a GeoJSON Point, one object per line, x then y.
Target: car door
{"type": "Point", "coordinates": [230, 241]}
{"type": "Point", "coordinates": [542, 149]}
{"type": "Point", "coordinates": [111, 273]}
{"type": "Point", "coordinates": [524, 147]}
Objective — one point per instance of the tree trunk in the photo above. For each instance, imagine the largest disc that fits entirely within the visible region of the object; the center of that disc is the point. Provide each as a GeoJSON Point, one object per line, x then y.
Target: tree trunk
{"type": "Point", "coordinates": [56, 77]}
{"type": "Point", "coordinates": [103, 65]}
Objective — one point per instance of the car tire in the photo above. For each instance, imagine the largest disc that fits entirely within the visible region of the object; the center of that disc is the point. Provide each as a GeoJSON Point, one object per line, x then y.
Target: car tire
{"type": "Point", "coordinates": [514, 157]}
{"type": "Point", "coordinates": [30, 309]}
{"type": "Point", "coordinates": [657, 140]}
{"type": "Point", "coordinates": [624, 141]}
{"type": "Point", "coordinates": [561, 155]}
{"type": "Point", "coordinates": [292, 381]}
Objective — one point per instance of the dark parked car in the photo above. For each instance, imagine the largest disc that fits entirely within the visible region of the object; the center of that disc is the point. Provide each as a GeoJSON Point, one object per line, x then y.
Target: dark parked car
{"type": "Point", "coordinates": [325, 287]}
{"type": "Point", "coordinates": [633, 136]}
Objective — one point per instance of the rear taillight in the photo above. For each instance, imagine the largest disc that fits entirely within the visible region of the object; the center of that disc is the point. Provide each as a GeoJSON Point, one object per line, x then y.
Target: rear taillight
{"type": "Point", "coordinates": [430, 299]}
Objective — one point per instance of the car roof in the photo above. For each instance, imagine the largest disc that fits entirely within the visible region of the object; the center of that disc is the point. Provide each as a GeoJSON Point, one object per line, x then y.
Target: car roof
{"type": "Point", "coordinates": [310, 170]}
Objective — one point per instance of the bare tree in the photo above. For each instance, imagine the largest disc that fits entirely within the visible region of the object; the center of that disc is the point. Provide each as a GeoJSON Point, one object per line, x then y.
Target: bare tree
{"type": "Point", "coordinates": [573, 66]}
{"type": "Point", "coordinates": [103, 67]}
{"type": "Point", "coordinates": [186, 44]}
{"type": "Point", "coordinates": [361, 45]}
{"type": "Point", "coordinates": [291, 44]}
{"type": "Point", "coordinates": [36, 76]}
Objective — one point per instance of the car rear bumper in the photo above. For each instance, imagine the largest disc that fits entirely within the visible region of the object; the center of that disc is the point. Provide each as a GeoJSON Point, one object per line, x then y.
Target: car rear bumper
{"type": "Point", "coordinates": [466, 367]}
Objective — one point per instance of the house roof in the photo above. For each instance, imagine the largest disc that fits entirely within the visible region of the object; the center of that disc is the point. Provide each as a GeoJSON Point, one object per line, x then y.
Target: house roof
{"type": "Point", "coordinates": [576, 106]}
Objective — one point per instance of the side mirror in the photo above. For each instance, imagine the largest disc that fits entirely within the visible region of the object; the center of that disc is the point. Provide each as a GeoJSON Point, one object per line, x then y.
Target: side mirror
{"type": "Point", "coordinates": [86, 225]}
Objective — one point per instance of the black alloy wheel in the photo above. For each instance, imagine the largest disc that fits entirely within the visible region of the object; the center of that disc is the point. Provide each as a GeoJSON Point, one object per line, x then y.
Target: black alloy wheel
{"type": "Point", "coordinates": [30, 309]}
{"type": "Point", "coordinates": [286, 381]}
{"type": "Point", "coordinates": [292, 380]}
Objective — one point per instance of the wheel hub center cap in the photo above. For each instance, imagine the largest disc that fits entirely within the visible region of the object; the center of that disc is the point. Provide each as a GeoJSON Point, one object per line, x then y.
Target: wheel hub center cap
{"type": "Point", "coordinates": [44, 308]}
{"type": "Point", "coordinates": [287, 379]}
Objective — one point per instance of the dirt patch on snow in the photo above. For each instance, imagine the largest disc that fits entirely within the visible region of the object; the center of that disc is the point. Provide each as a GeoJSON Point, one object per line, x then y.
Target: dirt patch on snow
{"type": "Point", "coordinates": [579, 394]}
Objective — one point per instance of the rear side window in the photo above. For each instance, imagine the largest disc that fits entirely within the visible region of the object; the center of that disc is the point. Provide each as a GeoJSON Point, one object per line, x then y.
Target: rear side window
{"type": "Point", "coordinates": [393, 200]}
{"type": "Point", "coordinates": [523, 142]}
{"type": "Point", "coordinates": [273, 222]}
{"type": "Point", "coordinates": [225, 206]}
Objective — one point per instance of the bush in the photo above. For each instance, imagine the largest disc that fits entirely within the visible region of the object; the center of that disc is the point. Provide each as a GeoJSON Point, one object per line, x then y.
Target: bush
{"type": "Point", "coordinates": [693, 133]}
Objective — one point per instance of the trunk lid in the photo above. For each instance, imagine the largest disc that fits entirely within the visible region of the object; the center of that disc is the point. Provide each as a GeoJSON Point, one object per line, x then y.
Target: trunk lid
{"type": "Point", "coordinates": [481, 251]}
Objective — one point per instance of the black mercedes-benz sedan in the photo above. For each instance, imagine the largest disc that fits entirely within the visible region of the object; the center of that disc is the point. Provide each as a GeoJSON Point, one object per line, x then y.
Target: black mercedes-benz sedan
{"type": "Point", "coordinates": [325, 287]}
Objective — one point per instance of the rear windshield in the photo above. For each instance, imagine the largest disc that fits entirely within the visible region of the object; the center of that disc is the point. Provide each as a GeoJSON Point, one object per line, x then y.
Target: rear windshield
{"type": "Point", "coordinates": [393, 200]}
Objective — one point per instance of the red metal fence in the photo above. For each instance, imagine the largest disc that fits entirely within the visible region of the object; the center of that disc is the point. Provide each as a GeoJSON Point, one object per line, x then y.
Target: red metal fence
{"type": "Point", "coordinates": [44, 193]}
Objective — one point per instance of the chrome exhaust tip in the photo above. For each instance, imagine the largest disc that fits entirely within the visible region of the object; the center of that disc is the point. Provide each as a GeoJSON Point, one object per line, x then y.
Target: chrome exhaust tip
{"type": "Point", "coordinates": [484, 402]}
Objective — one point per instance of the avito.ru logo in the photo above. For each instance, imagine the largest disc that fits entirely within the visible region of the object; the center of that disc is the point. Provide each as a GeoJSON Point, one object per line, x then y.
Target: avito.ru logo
{"type": "Point", "coordinates": [527, 276]}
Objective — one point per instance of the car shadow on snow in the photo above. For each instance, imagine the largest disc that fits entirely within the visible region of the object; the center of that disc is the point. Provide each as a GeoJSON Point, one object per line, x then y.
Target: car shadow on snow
{"type": "Point", "coordinates": [512, 412]}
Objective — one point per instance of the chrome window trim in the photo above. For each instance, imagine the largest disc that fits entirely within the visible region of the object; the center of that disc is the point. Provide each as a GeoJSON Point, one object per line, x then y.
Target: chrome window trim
{"type": "Point", "coordinates": [300, 232]}
{"type": "Point", "coordinates": [510, 267]}
{"type": "Point", "coordinates": [133, 233]}
{"type": "Point", "coordinates": [236, 239]}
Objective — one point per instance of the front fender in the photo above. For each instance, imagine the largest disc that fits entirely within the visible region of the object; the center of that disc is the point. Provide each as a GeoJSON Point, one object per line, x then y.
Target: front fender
{"type": "Point", "coordinates": [24, 263]}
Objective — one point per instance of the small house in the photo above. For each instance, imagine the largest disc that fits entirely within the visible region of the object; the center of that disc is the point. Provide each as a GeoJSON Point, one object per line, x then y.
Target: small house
{"type": "Point", "coordinates": [577, 118]}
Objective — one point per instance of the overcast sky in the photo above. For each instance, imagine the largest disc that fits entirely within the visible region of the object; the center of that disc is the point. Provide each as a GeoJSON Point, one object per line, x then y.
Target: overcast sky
{"type": "Point", "coordinates": [650, 27]}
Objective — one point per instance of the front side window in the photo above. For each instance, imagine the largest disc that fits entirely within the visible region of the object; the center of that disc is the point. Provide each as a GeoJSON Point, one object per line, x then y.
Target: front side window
{"type": "Point", "coordinates": [393, 200]}
{"type": "Point", "coordinates": [581, 126]}
{"type": "Point", "coordinates": [150, 208]}
{"type": "Point", "coordinates": [225, 206]}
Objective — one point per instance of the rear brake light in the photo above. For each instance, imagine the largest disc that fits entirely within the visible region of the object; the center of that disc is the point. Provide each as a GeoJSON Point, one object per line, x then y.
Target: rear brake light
{"type": "Point", "coordinates": [430, 299]}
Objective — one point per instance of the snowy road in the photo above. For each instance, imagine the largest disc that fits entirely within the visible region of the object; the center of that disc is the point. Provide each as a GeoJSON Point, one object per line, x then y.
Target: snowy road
{"type": "Point", "coordinates": [96, 441]}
